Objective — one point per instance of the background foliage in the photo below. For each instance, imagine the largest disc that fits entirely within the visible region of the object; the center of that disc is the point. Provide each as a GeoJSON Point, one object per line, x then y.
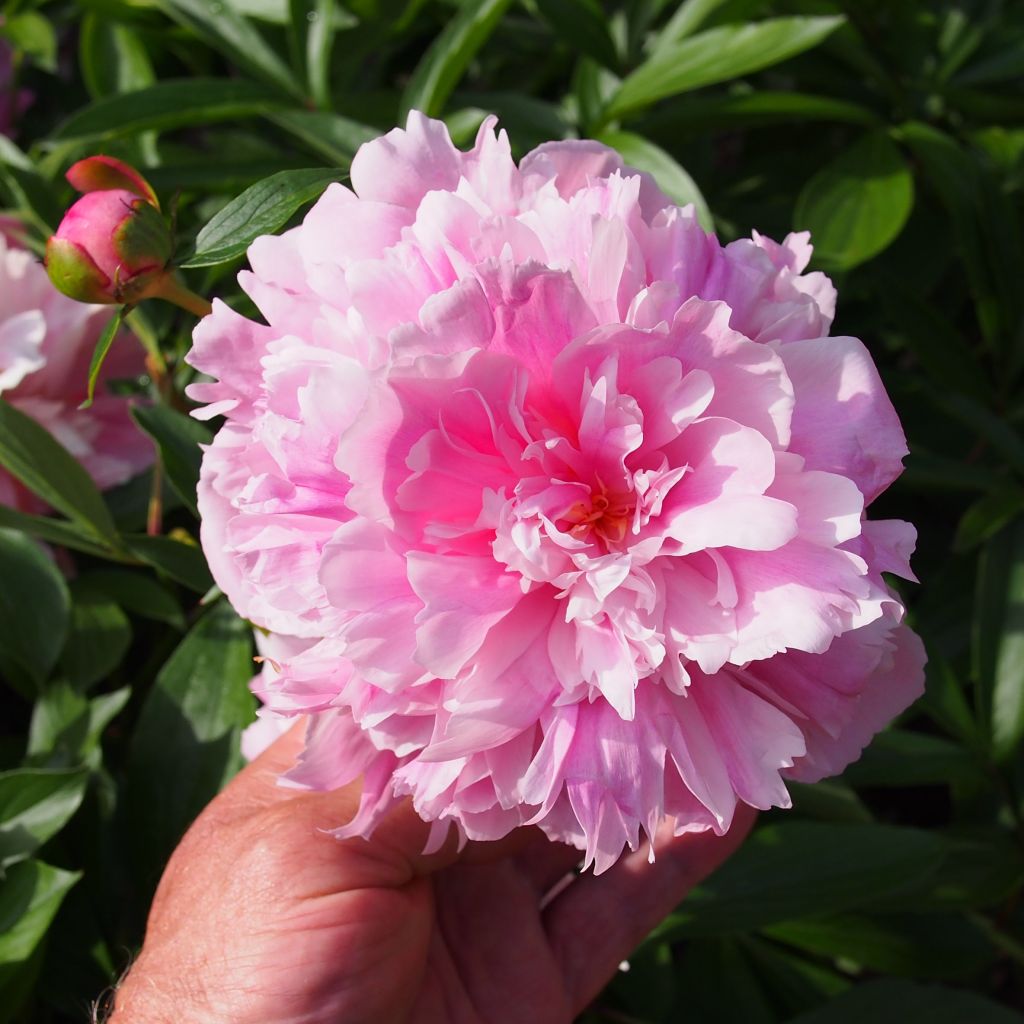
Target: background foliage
{"type": "Point", "coordinates": [893, 129]}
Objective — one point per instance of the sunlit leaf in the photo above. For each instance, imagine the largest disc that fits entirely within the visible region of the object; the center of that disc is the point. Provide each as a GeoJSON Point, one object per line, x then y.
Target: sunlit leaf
{"type": "Point", "coordinates": [259, 210]}
{"type": "Point", "coordinates": [857, 205]}
{"type": "Point", "coordinates": [441, 67]}
{"type": "Point", "coordinates": [718, 55]}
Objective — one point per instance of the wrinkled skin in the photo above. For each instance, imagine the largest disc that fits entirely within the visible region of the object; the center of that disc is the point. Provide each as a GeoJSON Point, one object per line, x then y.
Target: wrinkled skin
{"type": "Point", "coordinates": [261, 917]}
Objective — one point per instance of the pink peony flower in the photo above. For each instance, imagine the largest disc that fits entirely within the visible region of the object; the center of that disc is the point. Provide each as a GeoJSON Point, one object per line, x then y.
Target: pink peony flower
{"type": "Point", "coordinates": [559, 502]}
{"type": "Point", "coordinates": [46, 344]}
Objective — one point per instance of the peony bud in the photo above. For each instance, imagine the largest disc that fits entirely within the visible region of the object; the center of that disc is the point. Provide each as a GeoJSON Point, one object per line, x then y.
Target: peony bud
{"type": "Point", "coordinates": [113, 245]}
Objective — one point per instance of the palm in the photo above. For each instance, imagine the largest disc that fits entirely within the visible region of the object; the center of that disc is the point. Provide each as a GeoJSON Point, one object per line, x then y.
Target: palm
{"type": "Point", "coordinates": [490, 959]}
{"type": "Point", "coordinates": [262, 916]}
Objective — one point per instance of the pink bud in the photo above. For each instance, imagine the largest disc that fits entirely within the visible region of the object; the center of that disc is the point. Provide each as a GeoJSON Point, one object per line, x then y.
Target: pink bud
{"type": "Point", "coordinates": [103, 173]}
{"type": "Point", "coordinates": [113, 245]}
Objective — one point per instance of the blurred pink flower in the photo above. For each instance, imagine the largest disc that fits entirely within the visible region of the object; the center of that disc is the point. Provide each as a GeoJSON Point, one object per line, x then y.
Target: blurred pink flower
{"type": "Point", "coordinates": [13, 102]}
{"type": "Point", "coordinates": [560, 502]}
{"type": "Point", "coordinates": [46, 344]}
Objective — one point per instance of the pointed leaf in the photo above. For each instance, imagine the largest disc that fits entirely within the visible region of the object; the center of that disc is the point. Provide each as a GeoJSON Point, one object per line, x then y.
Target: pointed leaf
{"type": "Point", "coordinates": [583, 25]}
{"type": "Point", "coordinates": [35, 804]}
{"type": "Point", "coordinates": [223, 29]}
{"type": "Point", "coordinates": [260, 210]}
{"type": "Point", "coordinates": [799, 869]}
{"type": "Point", "coordinates": [718, 55]}
{"type": "Point", "coordinates": [441, 67]}
{"type": "Point", "coordinates": [47, 468]}
{"type": "Point", "coordinates": [181, 561]}
{"type": "Point", "coordinates": [185, 745]}
{"type": "Point", "coordinates": [170, 104]}
{"type": "Point", "coordinates": [999, 637]}
{"type": "Point", "coordinates": [67, 725]}
{"type": "Point", "coordinates": [889, 1001]}
{"type": "Point", "coordinates": [331, 136]}
{"type": "Point", "coordinates": [30, 896]}
{"type": "Point", "coordinates": [99, 354]}
{"type": "Point", "coordinates": [136, 593]}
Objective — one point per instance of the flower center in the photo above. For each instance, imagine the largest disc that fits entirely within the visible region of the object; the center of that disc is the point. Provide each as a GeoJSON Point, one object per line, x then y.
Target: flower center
{"type": "Point", "coordinates": [605, 515]}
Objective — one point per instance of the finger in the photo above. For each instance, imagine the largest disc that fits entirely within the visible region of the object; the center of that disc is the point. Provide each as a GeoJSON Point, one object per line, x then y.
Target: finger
{"type": "Point", "coordinates": [400, 837]}
{"type": "Point", "coordinates": [545, 862]}
{"type": "Point", "coordinates": [599, 920]}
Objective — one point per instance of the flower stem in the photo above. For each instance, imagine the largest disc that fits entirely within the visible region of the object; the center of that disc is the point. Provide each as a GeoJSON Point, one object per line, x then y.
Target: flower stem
{"type": "Point", "coordinates": [171, 289]}
{"type": "Point", "coordinates": [155, 511]}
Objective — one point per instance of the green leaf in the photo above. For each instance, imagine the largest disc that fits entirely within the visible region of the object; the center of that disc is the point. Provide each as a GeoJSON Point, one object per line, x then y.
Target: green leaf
{"type": "Point", "coordinates": [898, 757]}
{"type": "Point", "coordinates": [331, 136]}
{"type": "Point", "coordinates": [800, 869]}
{"type": "Point", "coordinates": [30, 896]}
{"type": "Point", "coordinates": [985, 424]}
{"type": "Point", "coordinates": [926, 470]}
{"type": "Point", "coordinates": [671, 176]}
{"type": "Point", "coordinates": [688, 17]}
{"type": "Point", "coordinates": [987, 516]}
{"type": "Point", "coordinates": [940, 348]}
{"type": "Point", "coordinates": [583, 26]}
{"type": "Point", "coordinates": [34, 606]}
{"type": "Point", "coordinates": [181, 561]}
{"type": "Point", "coordinates": [718, 55]}
{"type": "Point", "coordinates": [791, 980]}
{"type": "Point", "coordinates": [223, 29]}
{"type": "Point", "coordinates": [35, 804]}
{"type": "Point", "coordinates": [259, 210]}
{"type": "Point", "coordinates": [67, 725]}
{"type": "Point", "coordinates": [529, 121]}
{"type": "Point", "coordinates": [1004, 64]}
{"type": "Point", "coordinates": [34, 35]}
{"type": "Point", "coordinates": [889, 1001]}
{"type": "Point", "coordinates": [857, 205]}
{"type": "Point", "coordinates": [999, 637]}
{"type": "Point", "coordinates": [55, 531]}
{"type": "Point", "coordinates": [178, 438]}
{"type": "Point", "coordinates": [986, 229]}
{"type": "Point", "coordinates": [136, 593]}
{"type": "Point", "coordinates": [977, 871]}
{"type": "Point", "coordinates": [169, 104]}
{"type": "Point", "coordinates": [739, 109]}
{"type": "Point", "coordinates": [945, 702]}
{"type": "Point", "coordinates": [441, 67]}
{"type": "Point", "coordinates": [929, 946]}
{"type": "Point", "coordinates": [112, 56]}
{"type": "Point", "coordinates": [828, 800]}
{"type": "Point", "coordinates": [185, 746]}
{"type": "Point", "coordinates": [99, 354]}
{"type": "Point", "coordinates": [47, 468]}
{"type": "Point", "coordinates": [311, 27]}
{"type": "Point", "coordinates": [98, 639]}
{"type": "Point", "coordinates": [702, 996]}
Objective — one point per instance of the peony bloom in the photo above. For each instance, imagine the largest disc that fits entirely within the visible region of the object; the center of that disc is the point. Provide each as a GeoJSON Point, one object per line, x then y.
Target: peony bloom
{"type": "Point", "coordinates": [46, 344]}
{"type": "Point", "coordinates": [558, 502]}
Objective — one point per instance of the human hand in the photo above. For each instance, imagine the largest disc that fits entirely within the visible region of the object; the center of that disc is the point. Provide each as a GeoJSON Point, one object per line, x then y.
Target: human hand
{"type": "Point", "coordinates": [263, 918]}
